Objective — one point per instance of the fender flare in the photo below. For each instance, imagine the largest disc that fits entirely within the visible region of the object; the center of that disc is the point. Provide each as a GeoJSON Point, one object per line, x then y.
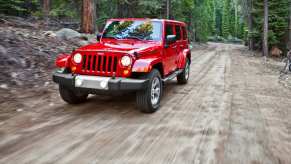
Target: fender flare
{"type": "Point", "coordinates": [182, 57]}
{"type": "Point", "coordinates": [145, 65]}
{"type": "Point", "coordinates": [63, 61]}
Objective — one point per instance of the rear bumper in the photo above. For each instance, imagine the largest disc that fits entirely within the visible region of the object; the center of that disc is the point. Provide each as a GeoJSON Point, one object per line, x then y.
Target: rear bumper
{"type": "Point", "coordinates": [93, 84]}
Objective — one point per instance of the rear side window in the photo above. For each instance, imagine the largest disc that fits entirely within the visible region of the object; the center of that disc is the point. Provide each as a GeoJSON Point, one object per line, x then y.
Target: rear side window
{"type": "Point", "coordinates": [184, 33]}
{"type": "Point", "coordinates": [178, 32]}
{"type": "Point", "coordinates": [169, 30]}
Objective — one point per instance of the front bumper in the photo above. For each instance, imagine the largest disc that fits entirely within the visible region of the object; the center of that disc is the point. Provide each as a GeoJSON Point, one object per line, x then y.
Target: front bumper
{"type": "Point", "coordinates": [97, 83]}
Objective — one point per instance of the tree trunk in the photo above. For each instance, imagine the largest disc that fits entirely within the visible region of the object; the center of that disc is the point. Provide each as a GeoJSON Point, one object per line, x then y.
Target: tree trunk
{"type": "Point", "coordinates": [250, 24]}
{"type": "Point", "coordinates": [289, 29]}
{"type": "Point", "coordinates": [88, 24]}
{"type": "Point", "coordinates": [191, 28]}
{"type": "Point", "coordinates": [121, 12]}
{"type": "Point", "coordinates": [266, 29]}
{"type": "Point", "coordinates": [46, 8]}
{"type": "Point", "coordinates": [168, 8]}
{"type": "Point", "coordinates": [126, 9]}
{"type": "Point", "coordinates": [236, 18]}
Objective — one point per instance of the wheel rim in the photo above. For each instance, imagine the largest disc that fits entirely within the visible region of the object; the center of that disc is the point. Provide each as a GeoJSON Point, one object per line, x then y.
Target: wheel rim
{"type": "Point", "coordinates": [155, 91]}
{"type": "Point", "coordinates": [187, 71]}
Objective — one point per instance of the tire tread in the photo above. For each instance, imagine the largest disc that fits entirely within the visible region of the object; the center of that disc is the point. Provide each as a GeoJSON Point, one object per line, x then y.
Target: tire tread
{"type": "Point", "coordinates": [143, 97]}
{"type": "Point", "coordinates": [70, 96]}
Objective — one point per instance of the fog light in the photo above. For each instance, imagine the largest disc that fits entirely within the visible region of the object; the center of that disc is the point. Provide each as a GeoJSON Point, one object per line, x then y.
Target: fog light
{"type": "Point", "coordinates": [79, 82]}
{"type": "Point", "coordinates": [103, 84]}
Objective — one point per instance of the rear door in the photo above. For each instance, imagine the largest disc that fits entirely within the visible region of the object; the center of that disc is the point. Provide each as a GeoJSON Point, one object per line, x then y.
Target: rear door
{"type": "Point", "coordinates": [179, 43]}
{"type": "Point", "coordinates": [185, 38]}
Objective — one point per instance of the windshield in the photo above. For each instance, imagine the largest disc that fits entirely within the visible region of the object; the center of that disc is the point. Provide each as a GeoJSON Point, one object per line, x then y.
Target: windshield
{"type": "Point", "coordinates": [140, 30]}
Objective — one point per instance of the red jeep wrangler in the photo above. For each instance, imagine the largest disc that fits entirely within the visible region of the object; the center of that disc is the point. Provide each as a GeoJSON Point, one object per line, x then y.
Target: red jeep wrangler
{"type": "Point", "coordinates": [132, 55]}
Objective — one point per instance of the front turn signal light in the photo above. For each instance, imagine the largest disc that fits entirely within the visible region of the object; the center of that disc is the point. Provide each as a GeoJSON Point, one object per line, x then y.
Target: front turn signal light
{"type": "Point", "coordinates": [73, 69]}
{"type": "Point", "coordinates": [125, 72]}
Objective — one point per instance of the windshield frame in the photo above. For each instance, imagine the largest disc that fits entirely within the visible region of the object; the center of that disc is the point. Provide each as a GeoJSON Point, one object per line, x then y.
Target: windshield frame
{"type": "Point", "coordinates": [133, 38]}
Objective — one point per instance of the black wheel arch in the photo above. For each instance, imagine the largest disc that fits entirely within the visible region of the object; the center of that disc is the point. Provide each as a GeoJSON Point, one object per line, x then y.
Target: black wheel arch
{"type": "Point", "coordinates": [189, 56]}
{"type": "Point", "coordinates": [160, 68]}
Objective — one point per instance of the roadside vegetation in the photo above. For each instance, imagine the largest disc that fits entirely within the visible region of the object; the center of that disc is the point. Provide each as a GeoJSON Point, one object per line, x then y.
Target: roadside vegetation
{"type": "Point", "coordinates": [236, 106]}
{"type": "Point", "coordinates": [235, 21]}
{"type": "Point", "coordinates": [34, 30]}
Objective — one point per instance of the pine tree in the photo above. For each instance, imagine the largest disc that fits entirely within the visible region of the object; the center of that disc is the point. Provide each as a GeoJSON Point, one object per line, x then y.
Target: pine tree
{"type": "Point", "coordinates": [289, 28]}
{"type": "Point", "coordinates": [18, 7]}
{"type": "Point", "coordinates": [211, 16]}
{"type": "Point", "coordinates": [266, 29]}
{"type": "Point", "coordinates": [278, 22]}
{"type": "Point", "coordinates": [226, 20]}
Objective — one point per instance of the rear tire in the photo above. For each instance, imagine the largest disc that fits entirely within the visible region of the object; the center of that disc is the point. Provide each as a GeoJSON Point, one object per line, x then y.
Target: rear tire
{"type": "Point", "coordinates": [183, 77]}
{"type": "Point", "coordinates": [148, 100]}
{"type": "Point", "coordinates": [72, 97]}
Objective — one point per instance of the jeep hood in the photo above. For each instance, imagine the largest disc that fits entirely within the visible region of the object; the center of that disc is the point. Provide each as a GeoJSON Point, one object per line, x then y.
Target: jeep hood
{"type": "Point", "coordinates": [121, 46]}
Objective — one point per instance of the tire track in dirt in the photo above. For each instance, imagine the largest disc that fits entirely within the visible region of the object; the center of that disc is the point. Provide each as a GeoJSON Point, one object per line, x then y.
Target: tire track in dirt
{"type": "Point", "coordinates": [168, 132]}
{"type": "Point", "coordinates": [247, 136]}
{"type": "Point", "coordinates": [138, 133]}
{"type": "Point", "coordinates": [218, 117]}
{"type": "Point", "coordinates": [55, 128]}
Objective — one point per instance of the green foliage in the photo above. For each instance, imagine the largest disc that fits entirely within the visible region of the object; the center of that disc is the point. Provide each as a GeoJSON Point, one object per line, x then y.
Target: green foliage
{"type": "Point", "coordinates": [226, 19]}
{"type": "Point", "coordinates": [66, 8]}
{"type": "Point", "coordinates": [211, 16]}
{"type": "Point", "coordinates": [204, 17]}
{"type": "Point", "coordinates": [278, 22]}
{"type": "Point", "coordinates": [18, 7]}
{"type": "Point", "coordinates": [150, 8]}
{"type": "Point", "coordinates": [203, 21]}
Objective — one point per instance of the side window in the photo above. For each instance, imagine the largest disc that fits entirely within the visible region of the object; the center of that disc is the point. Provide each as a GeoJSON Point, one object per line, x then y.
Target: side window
{"type": "Point", "coordinates": [184, 33]}
{"type": "Point", "coordinates": [169, 30]}
{"type": "Point", "coordinates": [178, 32]}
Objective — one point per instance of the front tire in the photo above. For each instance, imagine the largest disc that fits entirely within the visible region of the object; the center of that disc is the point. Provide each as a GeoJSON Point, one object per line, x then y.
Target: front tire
{"type": "Point", "coordinates": [148, 100]}
{"type": "Point", "coordinates": [72, 97]}
{"type": "Point", "coordinates": [183, 77]}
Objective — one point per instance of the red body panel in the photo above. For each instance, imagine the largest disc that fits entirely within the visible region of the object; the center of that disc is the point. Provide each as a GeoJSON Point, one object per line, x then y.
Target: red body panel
{"type": "Point", "coordinates": [63, 60]}
{"type": "Point", "coordinates": [103, 58]}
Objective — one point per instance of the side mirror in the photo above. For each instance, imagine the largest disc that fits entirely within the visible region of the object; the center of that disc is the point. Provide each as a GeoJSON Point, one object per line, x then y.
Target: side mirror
{"type": "Point", "coordinates": [99, 37]}
{"type": "Point", "coordinates": [171, 39]}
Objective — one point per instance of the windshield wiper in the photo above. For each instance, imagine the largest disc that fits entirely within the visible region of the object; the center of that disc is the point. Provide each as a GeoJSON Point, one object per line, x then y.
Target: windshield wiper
{"type": "Point", "coordinates": [133, 37]}
{"type": "Point", "coordinates": [111, 37]}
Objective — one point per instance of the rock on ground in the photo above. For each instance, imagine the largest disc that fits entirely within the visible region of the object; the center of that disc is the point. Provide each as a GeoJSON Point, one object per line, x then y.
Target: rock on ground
{"type": "Point", "coordinates": [67, 34]}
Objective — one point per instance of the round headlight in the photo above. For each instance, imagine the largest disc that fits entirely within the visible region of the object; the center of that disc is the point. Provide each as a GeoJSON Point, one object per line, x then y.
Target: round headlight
{"type": "Point", "coordinates": [126, 61]}
{"type": "Point", "coordinates": [77, 58]}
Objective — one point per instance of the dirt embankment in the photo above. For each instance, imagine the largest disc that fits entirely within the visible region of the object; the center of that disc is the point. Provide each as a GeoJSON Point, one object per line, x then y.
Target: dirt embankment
{"type": "Point", "coordinates": [27, 55]}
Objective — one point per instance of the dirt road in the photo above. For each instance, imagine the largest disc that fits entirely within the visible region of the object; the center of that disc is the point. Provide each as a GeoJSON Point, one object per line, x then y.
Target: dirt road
{"type": "Point", "coordinates": [232, 111]}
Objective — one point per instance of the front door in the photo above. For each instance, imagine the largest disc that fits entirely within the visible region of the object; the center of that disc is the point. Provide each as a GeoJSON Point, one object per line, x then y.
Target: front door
{"type": "Point", "coordinates": [170, 52]}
